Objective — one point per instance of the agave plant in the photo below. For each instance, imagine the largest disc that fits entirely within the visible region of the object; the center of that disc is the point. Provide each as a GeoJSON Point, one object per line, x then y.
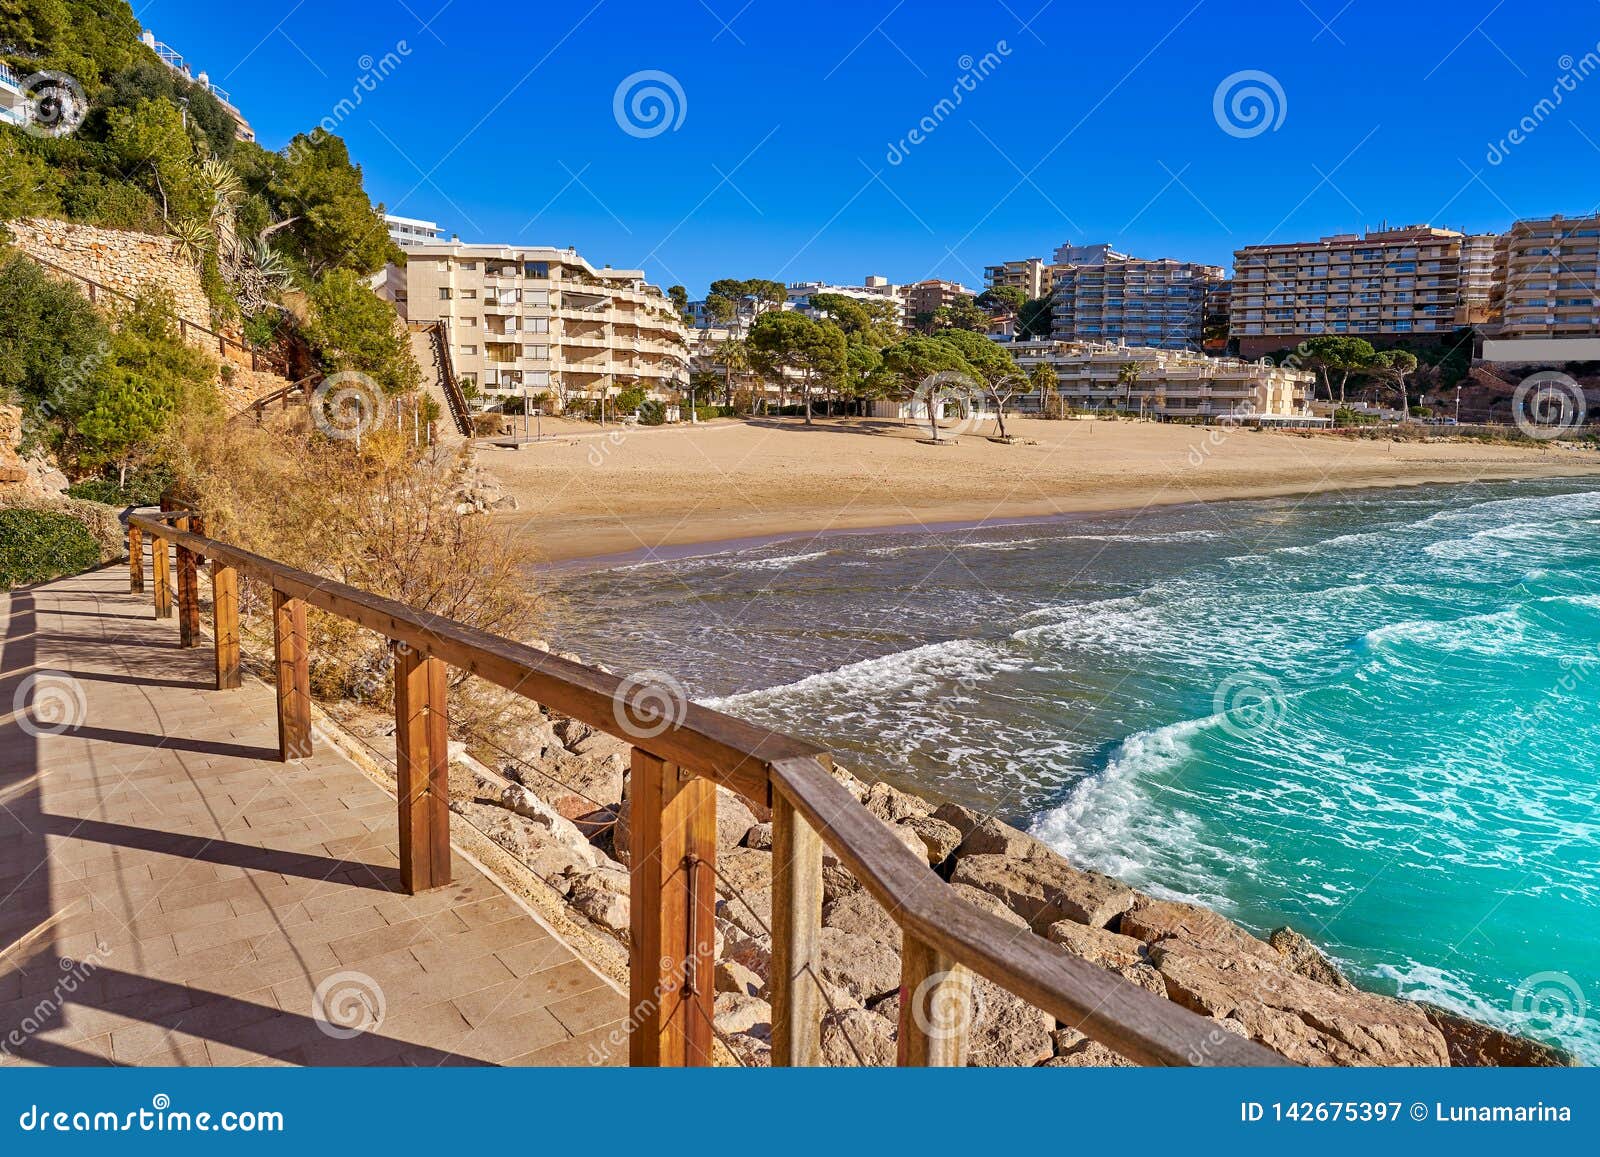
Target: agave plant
{"type": "Point", "coordinates": [191, 239]}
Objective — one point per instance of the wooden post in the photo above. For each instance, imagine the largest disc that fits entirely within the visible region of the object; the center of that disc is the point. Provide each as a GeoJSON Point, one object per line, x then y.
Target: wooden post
{"type": "Point", "coordinates": [160, 577]}
{"type": "Point", "coordinates": [796, 935]}
{"type": "Point", "coordinates": [422, 760]}
{"type": "Point", "coordinates": [935, 1006]}
{"type": "Point", "coordinates": [673, 826]}
{"type": "Point", "coordinates": [188, 594]}
{"type": "Point", "coordinates": [291, 654]}
{"type": "Point", "coordinates": [135, 560]}
{"type": "Point", "coordinates": [225, 605]}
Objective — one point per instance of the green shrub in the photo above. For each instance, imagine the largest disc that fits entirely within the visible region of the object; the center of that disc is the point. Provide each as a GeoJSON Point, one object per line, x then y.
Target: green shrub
{"type": "Point", "coordinates": [706, 413]}
{"type": "Point", "coordinates": [38, 545]}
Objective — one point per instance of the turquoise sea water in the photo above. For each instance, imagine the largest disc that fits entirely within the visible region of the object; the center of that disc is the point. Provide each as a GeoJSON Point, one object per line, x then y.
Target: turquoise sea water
{"type": "Point", "coordinates": [1371, 716]}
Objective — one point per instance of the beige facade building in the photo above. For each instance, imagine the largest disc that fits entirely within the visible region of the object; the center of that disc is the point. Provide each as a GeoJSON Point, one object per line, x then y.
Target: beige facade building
{"type": "Point", "coordinates": [1415, 281]}
{"type": "Point", "coordinates": [1547, 300]}
{"type": "Point", "coordinates": [931, 295]}
{"type": "Point", "coordinates": [532, 319]}
{"type": "Point", "coordinates": [1171, 383]}
{"type": "Point", "coordinates": [1159, 302]}
{"type": "Point", "coordinates": [1031, 275]}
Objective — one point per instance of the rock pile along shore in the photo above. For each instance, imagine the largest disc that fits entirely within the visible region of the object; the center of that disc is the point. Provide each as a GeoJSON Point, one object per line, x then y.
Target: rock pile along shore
{"type": "Point", "coordinates": [561, 806]}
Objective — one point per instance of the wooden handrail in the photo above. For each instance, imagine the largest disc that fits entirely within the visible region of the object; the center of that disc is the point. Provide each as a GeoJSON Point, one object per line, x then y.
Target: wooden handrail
{"type": "Point", "coordinates": [673, 831]}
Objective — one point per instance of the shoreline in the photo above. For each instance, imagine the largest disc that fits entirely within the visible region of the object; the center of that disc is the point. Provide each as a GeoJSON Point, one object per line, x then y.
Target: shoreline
{"type": "Point", "coordinates": [688, 544]}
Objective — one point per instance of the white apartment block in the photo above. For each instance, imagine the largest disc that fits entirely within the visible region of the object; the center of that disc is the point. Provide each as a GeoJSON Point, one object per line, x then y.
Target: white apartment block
{"type": "Point", "coordinates": [173, 60]}
{"type": "Point", "coordinates": [871, 289]}
{"type": "Point", "coordinates": [533, 319]}
{"type": "Point", "coordinates": [1030, 274]}
{"type": "Point", "coordinates": [13, 101]}
{"type": "Point", "coordinates": [408, 231]}
{"type": "Point", "coordinates": [1172, 383]}
{"type": "Point", "coordinates": [1415, 281]}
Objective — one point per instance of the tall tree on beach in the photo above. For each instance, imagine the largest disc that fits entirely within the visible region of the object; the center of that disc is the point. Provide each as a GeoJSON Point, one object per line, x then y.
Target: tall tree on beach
{"type": "Point", "coordinates": [1045, 379]}
{"type": "Point", "coordinates": [793, 341]}
{"type": "Point", "coordinates": [915, 360]}
{"type": "Point", "coordinates": [1331, 354]}
{"type": "Point", "coordinates": [1128, 377]}
{"type": "Point", "coordinates": [1392, 368]}
{"type": "Point", "coordinates": [999, 376]}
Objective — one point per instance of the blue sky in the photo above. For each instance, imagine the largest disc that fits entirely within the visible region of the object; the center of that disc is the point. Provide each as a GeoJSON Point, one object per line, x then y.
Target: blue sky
{"type": "Point", "coordinates": [1091, 122]}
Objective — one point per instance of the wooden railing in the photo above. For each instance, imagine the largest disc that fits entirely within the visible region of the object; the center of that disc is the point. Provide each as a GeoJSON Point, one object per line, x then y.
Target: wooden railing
{"type": "Point", "coordinates": [259, 359]}
{"type": "Point", "coordinates": [676, 770]}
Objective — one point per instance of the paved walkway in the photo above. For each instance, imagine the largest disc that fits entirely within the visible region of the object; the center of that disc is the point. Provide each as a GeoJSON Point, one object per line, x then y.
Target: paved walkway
{"type": "Point", "coordinates": [172, 895]}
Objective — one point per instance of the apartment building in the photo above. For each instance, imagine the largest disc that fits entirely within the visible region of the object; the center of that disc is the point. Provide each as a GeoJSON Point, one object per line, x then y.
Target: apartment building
{"type": "Point", "coordinates": [1414, 281]}
{"type": "Point", "coordinates": [173, 60]}
{"type": "Point", "coordinates": [930, 296]}
{"type": "Point", "coordinates": [1547, 292]}
{"type": "Point", "coordinates": [533, 319]}
{"type": "Point", "coordinates": [1159, 303]}
{"type": "Point", "coordinates": [1031, 275]}
{"type": "Point", "coordinates": [872, 288]}
{"type": "Point", "coordinates": [13, 101]}
{"type": "Point", "coordinates": [1172, 384]}
{"type": "Point", "coordinates": [408, 231]}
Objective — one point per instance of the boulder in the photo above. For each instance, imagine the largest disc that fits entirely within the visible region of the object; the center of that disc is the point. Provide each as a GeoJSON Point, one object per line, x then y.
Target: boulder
{"type": "Point", "coordinates": [864, 968]}
{"type": "Point", "coordinates": [1074, 1050]}
{"type": "Point", "coordinates": [858, 913]}
{"type": "Point", "coordinates": [892, 805]}
{"type": "Point", "coordinates": [601, 904]}
{"type": "Point", "coordinates": [1096, 945]}
{"type": "Point", "coordinates": [1307, 1022]}
{"type": "Point", "coordinates": [743, 870]}
{"type": "Point", "coordinates": [737, 1012]}
{"type": "Point", "coordinates": [850, 783]}
{"type": "Point", "coordinates": [1007, 1030]}
{"type": "Point", "coordinates": [1474, 1045]}
{"type": "Point", "coordinates": [837, 881]}
{"type": "Point", "coordinates": [1154, 921]}
{"type": "Point", "coordinates": [961, 818]}
{"type": "Point", "coordinates": [522, 801]}
{"type": "Point", "coordinates": [572, 784]}
{"type": "Point", "coordinates": [939, 839]}
{"type": "Point", "coordinates": [734, 819]}
{"type": "Point", "coordinates": [570, 731]}
{"type": "Point", "coordinates": [1046, 890]}
{"type": "Point", "coordinates": [750, 912]}
{"type": "Point", "coordinates": [731, 976]}
{"type": "Point", "coordinates": [759, 837]}
{"type": "Point", "coordinates": [753, 953]}
{"type": "Point", "coordinates": [1304, 958]}
{"type": "Point", "coordinates": [990, 837]}
{"type": "Point", "coordinates": [750, 1052]}
{"type": "Point", "coordinates": [853, 1036]}
{"type": "Point", "coordinates": [978, 898]}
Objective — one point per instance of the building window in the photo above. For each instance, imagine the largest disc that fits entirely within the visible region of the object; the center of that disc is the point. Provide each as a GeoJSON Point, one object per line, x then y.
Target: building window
{"type": "Point", "coordinates": [469, 295]}
{"type": "Point", "coordinates": [536, 269]}
{"type": "Point", "coordinates": [536, 324]}
{"type": "Point", "coordinates": [469, 351]}
{"type": "Point", "coordinates": [469, 323]}
{"type": "Point", "coordinates": [469, 265]}
{"type": "Point", "coordinates": [444, 293]}
{"type": "Point", "coordinates": [537, 297]}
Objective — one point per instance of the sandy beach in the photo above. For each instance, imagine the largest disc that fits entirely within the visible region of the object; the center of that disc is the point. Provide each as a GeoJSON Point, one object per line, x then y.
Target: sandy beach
{"type": "Point", "coordinates": [584, 492]}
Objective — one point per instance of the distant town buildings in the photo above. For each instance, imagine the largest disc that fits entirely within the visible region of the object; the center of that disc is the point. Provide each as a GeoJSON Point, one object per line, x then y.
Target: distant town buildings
{"type": "Point", "coordinates": [171, 58]}
{"type": "Point", "coordinates": [1030, 274]}
{"type": "Point", "coordinates": [408, 231]}
{"type": "Point", "coordinates": [1166, 383]}
{"type": "Point", "coordinates": [1546, 304]}
{"type": "Point", "coordinates": [1111, 297]}
{"type": "Point", "coordinates": [872, 288]}
{"type": "Point", "coordinates": [1415, 281]}
{"type": "Point", "coordinates": [928, 297]}
{"type": "Point", "coordinates": [537, 320]}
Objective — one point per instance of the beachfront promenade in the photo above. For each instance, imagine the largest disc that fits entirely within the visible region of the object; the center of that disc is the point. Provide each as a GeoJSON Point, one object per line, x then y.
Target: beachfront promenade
{"type": "Point", "coordinates": [171, 894]}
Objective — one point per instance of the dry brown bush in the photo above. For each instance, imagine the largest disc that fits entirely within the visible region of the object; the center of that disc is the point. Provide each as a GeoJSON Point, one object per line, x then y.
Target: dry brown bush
{"type": "Point", "coordinates": [380, 516]}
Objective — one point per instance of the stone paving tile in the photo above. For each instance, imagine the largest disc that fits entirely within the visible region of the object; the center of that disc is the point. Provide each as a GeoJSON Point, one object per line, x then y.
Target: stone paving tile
{"type": "Point", "coordinates": [205, 891]}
